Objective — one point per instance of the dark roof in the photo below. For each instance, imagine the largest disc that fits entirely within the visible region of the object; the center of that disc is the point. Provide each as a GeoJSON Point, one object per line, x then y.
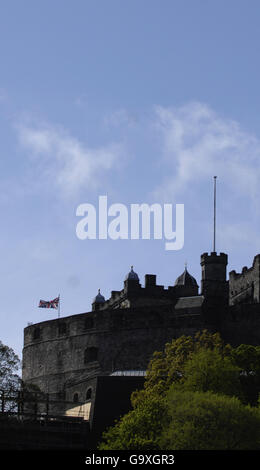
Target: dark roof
{"type": "Point", "coordinates": [132, 276]}
{"type": "Point", "coordinates": [189, 302]}
{"type": "Point", "coordinates": [99, 299]}
{"type": "Point", "coordinates": [129, 373]}
{"type": "Point", "coordinates": [186, 279]}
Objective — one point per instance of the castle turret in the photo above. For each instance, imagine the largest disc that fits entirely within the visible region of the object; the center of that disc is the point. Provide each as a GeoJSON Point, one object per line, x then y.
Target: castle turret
{"type": "Point", "coordinates": [98, 301]}
{"type": "Point", "coordinates": [131, 283]}
{"type": "Point", "coordinates": [213, 276]}
{"type": "Point", "coordinates": [186, 285]}
{"type": "Point", "coordinates": [214, 287]}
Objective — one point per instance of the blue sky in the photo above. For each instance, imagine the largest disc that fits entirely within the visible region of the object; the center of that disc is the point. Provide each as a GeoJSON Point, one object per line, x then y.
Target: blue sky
{"type": "Point", "coordinates": [142, 101]}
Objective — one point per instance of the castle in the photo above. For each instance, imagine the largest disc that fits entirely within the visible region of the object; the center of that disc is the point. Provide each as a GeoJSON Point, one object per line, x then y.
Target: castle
{"type": "Point", "coordinates": [88, 364]}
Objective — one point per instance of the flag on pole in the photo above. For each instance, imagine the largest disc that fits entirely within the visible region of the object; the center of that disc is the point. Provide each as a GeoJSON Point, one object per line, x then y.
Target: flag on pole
{"type": "Point", "coordinates": [49, 303]}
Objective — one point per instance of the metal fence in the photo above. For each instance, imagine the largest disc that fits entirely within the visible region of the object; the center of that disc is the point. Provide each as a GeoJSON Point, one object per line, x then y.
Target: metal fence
{"type": "Point", "coordinates": [38, 406]}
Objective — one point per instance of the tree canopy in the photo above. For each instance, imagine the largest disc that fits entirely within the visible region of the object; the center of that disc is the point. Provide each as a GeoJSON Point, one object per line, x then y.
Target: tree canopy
{"type": "Point", "coordinates": [210, 421]}
{"type": "Point", "coordinates": [9, 365]}
{"type": "Point", "coordinates": [197, 394]}
{"type": "Point", "coordinates": [9, 379]}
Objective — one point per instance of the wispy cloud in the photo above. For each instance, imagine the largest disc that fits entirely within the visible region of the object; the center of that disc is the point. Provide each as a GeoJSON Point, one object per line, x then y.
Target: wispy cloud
{"type": "Point", "coordinates": [198, 143]}
{"type": "Point", "coordinates": [64, 160]}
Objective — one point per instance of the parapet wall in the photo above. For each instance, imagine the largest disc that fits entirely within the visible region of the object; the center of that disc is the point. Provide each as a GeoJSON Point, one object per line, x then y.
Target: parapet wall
{"type": "Point", "coordinates": [214, 258]}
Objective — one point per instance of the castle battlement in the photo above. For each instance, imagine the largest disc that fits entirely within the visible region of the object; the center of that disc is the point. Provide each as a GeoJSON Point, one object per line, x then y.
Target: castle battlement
{"type": "Point", "coordinates": [213, 257]}
{"type": "Point", "coordinates": [134, 295]}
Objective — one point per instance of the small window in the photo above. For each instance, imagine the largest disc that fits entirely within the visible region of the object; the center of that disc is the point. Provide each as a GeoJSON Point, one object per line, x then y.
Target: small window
{"type": "Point", "coordinates": [76, 398]}
{"type": "Point", "coordinates": [90, 355]}
{"type": "Point", "coordinates": [89, 393]}
{"type": "Point", "coordinates": [36, 333]}
{"type": "Point", "coordinates": [62, 328]}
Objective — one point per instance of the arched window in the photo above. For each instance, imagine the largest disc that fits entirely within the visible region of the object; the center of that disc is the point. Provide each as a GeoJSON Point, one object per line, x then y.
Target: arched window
{"type": "Point", "coordinates": [76, 397]}
{"type": "Point", "coordinates": [90, 355]}
{"type": "Point", "coordinates": [89, 393]}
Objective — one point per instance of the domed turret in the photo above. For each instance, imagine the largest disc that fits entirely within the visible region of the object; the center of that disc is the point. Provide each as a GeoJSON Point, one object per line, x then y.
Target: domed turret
{"type": "Point", "coordinates": [99, 299]}
{"type": "Point", "coordinates": [186, 285]}
{"type": "Point", "coordinates": [132, 276]}
{"type": "Point", "coordinates": [186, 279]}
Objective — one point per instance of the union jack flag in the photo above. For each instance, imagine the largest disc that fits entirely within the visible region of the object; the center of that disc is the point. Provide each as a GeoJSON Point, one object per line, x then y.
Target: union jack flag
{"type": "Point", "coordinates": [49, 303]}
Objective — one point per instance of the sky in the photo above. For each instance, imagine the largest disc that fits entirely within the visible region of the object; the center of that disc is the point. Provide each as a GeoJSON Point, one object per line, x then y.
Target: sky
{"type": "Point", "coordinates": [142, 101]}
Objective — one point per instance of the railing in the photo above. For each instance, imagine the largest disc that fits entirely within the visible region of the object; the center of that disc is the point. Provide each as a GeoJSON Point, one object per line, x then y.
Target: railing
{"type": "Point", "coordinates": [38, 406]}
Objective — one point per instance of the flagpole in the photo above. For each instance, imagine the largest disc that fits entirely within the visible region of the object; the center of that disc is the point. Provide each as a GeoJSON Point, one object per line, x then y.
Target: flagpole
{"type": "Point", "coordinates": [214, 229]}
{"type": "Point", "coordinates": [59, 308]}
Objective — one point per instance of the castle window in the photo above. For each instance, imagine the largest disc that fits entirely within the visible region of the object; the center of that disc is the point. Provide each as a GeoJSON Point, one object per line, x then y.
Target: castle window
{"type": "Point", "coordinates": [76, 398]}
{"type": "Point", "coordinates": [36, 333]}
{"type": "Point", "coordinates": [90, 355]}
{"type": "Point", "coordinates": [60, 358]}
{"type": "Point", "coordinates": [89, 393]}
{"type": "Point", "coordinates": [62, 328]}
{"type": "Point", "coordinates": [89, 323]}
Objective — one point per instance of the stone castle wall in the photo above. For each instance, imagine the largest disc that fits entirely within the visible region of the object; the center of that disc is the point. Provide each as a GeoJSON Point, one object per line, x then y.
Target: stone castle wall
{"type": "Point", "coordinates": [244, 287]}
{"type": "Point", "coordinates": [63, 351]}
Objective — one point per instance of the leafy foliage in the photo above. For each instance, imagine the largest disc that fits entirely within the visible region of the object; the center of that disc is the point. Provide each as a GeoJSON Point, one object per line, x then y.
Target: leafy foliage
{"type": "Point", "coordinates": [196, 396]}
{"type": "Point", "coordinates": [9, 380]}
{"type": "Point", "coordinates": [139, 429]}
{"type": "Point", "coordinates": [209, 370]}
{"type": "Point", "coordinates": [171, 365]}
{"type": "Point", "coordinates": [208, 421]}
{"type": "Point", "coordinates": [9, 364]}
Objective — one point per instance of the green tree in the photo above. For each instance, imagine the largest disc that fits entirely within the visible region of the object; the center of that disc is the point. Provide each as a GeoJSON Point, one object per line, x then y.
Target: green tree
{"type": "Point", "coordinates": [139, 429]}
{"type": "Point", "coordinates": [208, 421]}
{"type": "Point", "coordinates": [170, 366]}
{"type": "Point", "coordinates": [209, 370]}
{"type": "Point", "coordinates": [247, 358]}
{"type": "Point", "coordinates": [9, 364]}
{"type": "Point", "coordinates": [9, 379]}
{"type": "Point", "coordinates": [191, 400]}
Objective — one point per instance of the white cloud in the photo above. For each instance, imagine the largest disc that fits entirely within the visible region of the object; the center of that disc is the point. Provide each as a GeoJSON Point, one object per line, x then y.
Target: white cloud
{"type": "Point", "coordinates": [198, 144]}
{"type": "Point", "coordinates": [64, 160]}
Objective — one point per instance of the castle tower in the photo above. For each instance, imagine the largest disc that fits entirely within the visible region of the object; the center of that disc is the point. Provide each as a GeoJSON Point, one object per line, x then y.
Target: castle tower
{"type": "Point", "coordinates": [131, 283]}
{"type": "Point", "coordinates": [98, 301]}
{"type": "Point", "coordinates": [213, 276]}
